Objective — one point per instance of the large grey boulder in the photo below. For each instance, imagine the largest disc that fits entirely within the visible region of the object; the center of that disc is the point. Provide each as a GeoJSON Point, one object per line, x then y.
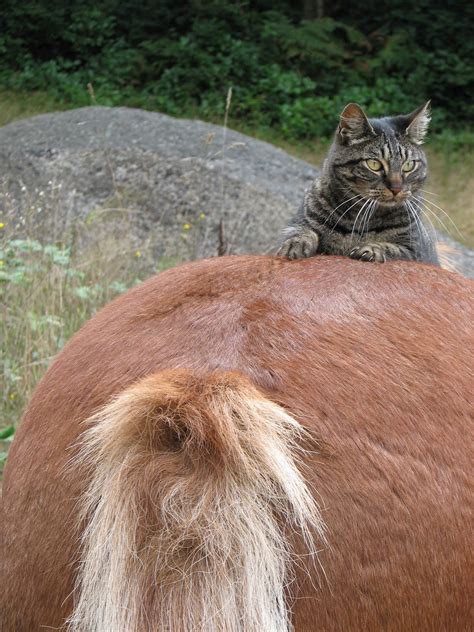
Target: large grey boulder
{"type": "Point", "coordinates": [170, 182]}
{"type": "Point", "coordinates": [175, 179]}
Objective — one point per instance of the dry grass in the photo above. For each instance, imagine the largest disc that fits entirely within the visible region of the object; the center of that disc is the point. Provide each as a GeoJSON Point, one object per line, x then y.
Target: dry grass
{"type": "Point", "coordinates": [49, 290]}
{"type": "Point", "coordinates": [18, 105]}
{"type": "Point", "coordinates": [452, 181]}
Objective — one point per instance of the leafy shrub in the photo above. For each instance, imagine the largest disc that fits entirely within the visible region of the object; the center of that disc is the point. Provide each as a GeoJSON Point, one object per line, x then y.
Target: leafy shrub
{"type": "Point", "coordinates": [287, 73]}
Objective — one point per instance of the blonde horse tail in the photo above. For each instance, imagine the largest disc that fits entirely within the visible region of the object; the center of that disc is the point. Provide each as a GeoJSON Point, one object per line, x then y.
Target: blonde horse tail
{"type": "Point", "coordinates": [192, 479]}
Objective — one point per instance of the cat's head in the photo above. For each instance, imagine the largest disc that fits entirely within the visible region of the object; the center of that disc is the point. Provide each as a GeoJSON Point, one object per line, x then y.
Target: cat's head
{"type": "Point", "coordinates": [380, 159]}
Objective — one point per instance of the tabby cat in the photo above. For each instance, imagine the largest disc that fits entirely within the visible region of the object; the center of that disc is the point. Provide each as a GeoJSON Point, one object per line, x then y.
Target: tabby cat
{"type": "Point", "coordinates": [364, 204]}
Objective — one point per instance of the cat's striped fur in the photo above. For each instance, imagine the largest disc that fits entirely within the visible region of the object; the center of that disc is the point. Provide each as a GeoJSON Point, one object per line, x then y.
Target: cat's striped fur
{"type": "Point", "coordinates": [364, 204]}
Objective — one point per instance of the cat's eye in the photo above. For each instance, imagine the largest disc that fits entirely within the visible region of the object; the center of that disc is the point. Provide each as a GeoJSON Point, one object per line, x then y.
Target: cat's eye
{"type": "Point", "coordinates": [374, 165]}
{"type": "Point", "coordinates": [409, 165]}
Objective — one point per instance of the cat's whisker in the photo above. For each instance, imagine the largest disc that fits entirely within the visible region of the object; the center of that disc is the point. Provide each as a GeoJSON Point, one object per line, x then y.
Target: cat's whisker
{"type": "Point", "coordinates": [428, 220]}
{"type": "Point", "coordinates": [367, 202]}
{"type": "Point", "coordinates": [423, 208]}
{"type": "Point", "coordinates": [418, 209]}
{"type": "Point", "coordinates": [430, 192]}
{"type": "Point", "coordinates": [418, 221]}
{"type": "Point", "coordinates": [359, 195]}
{"type": "Point", "coordinates": [365, 216]}
{"type": "Point", "coordinates": [346, 211]}
{"type": "Point", "coordinates": [426, 208]}
{"type": "Point", "coordinates": [370, 214]}
{"type": "Point", "coordinates": [414, 213]}
{"type": "Point", "coordinates": [443, 211]}
{"type": "Point", "coordinates": [410, 229]}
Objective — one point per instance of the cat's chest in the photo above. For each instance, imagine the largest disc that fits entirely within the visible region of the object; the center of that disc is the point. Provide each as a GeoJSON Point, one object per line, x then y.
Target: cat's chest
{"type": "Point", "coordinates": [337, 243]}
{"type": "Point", "coordinates": [342, 242]}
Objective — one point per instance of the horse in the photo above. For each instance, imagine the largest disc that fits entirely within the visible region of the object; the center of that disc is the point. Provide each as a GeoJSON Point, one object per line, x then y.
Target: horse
{"type": "Point", "coordinates": [250, 444]}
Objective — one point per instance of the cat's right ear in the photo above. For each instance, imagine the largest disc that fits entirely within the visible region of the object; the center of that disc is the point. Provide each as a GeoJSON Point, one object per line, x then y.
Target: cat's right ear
{"type": "Point", "coordinates": [418, 122]}
{"type": "Point", "coordinates": [354, 126]}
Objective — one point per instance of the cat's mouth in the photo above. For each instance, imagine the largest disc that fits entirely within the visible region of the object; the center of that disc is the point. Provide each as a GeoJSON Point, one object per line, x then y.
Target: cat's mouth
{"type": "Point", "coordinates": [391, 200]}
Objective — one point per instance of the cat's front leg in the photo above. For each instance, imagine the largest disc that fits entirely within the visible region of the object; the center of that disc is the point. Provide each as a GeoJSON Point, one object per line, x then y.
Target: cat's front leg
{"type": "Point", "coordinates": [300, 245]}
{"type": "Point", "coordinates": [380, 252]}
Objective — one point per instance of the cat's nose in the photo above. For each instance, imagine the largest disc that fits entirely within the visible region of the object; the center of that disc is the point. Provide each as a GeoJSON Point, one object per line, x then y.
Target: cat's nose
{"type": "Point", "coordinates": [395, 187]}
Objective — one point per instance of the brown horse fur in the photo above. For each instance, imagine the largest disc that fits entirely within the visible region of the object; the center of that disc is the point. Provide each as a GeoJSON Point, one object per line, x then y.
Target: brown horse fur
{"type": "Point", "coordinates": [163, 476]}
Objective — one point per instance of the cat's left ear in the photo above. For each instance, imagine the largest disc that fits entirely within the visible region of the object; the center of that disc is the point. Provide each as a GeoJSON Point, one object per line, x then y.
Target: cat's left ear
{"type": "Point", "coordinates": [418, 122]}
{"type": "Point", "coordinates": [354, 126]}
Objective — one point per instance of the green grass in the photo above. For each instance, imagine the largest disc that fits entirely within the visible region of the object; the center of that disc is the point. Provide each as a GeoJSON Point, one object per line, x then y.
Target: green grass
{"type": "Point", "coordinates": [49, 290]}
{"type": "Point", "coordinates": [18, 105]}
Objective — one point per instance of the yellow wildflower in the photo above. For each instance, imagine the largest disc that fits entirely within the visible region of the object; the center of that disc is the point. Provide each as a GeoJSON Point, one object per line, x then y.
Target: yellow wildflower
{"type": "Point", "coordinates": [138, 253]}
{"type": "Point", "coordinates": [186, 226]}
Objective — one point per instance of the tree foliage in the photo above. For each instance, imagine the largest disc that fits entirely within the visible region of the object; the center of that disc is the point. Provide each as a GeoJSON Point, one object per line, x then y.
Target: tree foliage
{"type": "Point", "coordinates": [292, 67]}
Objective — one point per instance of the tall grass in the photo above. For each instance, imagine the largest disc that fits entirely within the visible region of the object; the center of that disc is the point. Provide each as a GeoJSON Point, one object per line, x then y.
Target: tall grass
{"type": "Point", "coordinates": [48, 290]}
{"type": "Point", "coordinates": [16, 105]}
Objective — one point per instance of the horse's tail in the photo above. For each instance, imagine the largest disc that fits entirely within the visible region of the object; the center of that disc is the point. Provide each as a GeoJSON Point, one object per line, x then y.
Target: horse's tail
{"type": "Point", "coordinates": [449, 257]}
{"type": "Point", "coordinates": [192, 479]}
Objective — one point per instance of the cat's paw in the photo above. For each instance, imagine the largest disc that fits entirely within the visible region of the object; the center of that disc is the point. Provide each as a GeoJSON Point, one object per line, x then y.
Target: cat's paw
{"type": "Point", "coordinates": [299, 246]}
{"type": "Point", "coordinates": [369, 252]}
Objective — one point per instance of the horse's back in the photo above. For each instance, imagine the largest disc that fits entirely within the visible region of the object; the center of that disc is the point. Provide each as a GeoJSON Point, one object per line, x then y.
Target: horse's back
{"type": "Point", "coordinates": [374, 360]}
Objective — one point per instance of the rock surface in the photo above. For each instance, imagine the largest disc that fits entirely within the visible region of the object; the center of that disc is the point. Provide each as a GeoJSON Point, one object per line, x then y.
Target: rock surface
{"type": "Point", "coordinates": [173, 180]}
{"type": "Point", "coordinates": [177, 178]}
